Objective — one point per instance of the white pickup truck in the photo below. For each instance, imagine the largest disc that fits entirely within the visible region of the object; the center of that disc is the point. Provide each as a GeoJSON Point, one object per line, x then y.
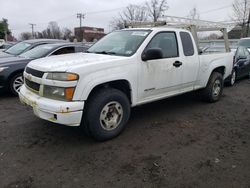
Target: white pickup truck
{"type": "Point", "coordinates": [124, 69]}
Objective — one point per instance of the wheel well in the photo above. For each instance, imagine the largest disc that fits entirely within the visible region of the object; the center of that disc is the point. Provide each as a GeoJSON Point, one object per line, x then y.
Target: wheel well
{"type": "Point", "coordinates": [220, 70]}
{"type": "Point", "coordinates": [13, 74]}
{"type": "Point", "coordinates": [122, 85]}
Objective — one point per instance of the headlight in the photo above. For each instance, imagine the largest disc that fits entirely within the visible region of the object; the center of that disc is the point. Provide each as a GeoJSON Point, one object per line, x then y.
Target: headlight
{"type": "Point", "coordinates": [3, 68]}
{"type": "Point", "coordinates": [62, 76]}
{"type": "Point", "coordinates": [59, 93]}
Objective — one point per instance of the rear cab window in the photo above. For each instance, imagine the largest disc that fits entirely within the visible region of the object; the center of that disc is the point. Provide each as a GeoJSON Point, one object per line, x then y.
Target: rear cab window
{"type": "Point", "coordinates": [187, 44]}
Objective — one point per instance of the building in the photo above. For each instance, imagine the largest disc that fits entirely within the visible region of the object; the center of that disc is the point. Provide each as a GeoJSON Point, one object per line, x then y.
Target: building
{"type": "Point", "coordinates": [88, 34]}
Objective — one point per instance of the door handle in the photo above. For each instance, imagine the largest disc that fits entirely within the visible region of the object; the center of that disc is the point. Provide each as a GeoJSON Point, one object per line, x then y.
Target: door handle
{"type": "Point", "coordinates": [177, 64]}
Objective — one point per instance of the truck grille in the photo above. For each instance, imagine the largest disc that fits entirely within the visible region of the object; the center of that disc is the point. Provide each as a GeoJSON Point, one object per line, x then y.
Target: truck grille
{"type": "Point", "coordinates": [32, 85]}
{"type": "Point", "coordinates": [34, 72]}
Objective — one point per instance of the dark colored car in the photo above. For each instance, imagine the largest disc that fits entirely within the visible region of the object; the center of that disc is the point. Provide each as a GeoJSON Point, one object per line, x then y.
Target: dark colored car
{"type": "Point", "coordinates": [6, 45]}
{"type": "Point", "coordinates": [11, 68]}
{"type": "Point", "coordinates": [241, 66]}
{"type": "Point", "coordinates": [245, 42]}
{"type": "Point", "coordinates": [26, 45]}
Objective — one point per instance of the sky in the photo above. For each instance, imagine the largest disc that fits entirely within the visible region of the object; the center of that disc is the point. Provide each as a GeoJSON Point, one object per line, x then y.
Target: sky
{"type": "Point", "coordinates": [98, 13]}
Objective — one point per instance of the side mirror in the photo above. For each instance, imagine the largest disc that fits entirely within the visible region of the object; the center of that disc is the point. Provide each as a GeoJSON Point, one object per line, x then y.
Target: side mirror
{"type": "Point", "coordinates": [242, 57]}
{"type": "Point", "coordinates": [151, 54]}
{"type": "Point", "coordinates": [200, 51]}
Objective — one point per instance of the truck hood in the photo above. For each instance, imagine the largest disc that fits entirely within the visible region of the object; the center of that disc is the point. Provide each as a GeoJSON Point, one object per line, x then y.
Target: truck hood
{"type": "Point", "coordinates": [63, 63]}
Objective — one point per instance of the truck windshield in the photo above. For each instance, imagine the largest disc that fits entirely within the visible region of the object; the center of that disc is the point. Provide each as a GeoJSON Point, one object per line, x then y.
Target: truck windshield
{"type": "Point", "coordinates": [121, 43]}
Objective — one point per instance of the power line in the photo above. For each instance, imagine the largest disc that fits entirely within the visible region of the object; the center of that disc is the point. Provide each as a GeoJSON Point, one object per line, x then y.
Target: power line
{"type": "Point", "coordinates": [217, 9]}
{"type": "Point", "coordinates": [220, 8]}
{"type": "Point", "coordinates": [103, 11]}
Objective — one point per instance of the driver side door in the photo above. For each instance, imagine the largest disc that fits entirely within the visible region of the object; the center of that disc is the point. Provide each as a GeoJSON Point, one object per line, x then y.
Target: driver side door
{"type": "Point", "coordinates": [159, 78]}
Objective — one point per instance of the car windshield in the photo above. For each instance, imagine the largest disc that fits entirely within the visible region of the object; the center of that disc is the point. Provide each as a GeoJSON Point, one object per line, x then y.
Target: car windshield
{"type": "Point", "coordinates": [37, 52]}
{"type": "Point", "coordinates": [245, 43]}
{"type": "Point", "coordinates": [121, 43]}
{"type": "Point", "coordinates": [18, 48]}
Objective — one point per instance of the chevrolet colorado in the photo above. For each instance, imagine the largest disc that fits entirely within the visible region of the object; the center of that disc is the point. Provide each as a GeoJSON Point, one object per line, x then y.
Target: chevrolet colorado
{"type": "Point", "coordinates": [124, 69]}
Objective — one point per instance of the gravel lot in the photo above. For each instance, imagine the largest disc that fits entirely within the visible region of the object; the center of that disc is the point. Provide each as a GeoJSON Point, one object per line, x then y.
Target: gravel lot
{"type": "Point", "coordinates": [179, 142]}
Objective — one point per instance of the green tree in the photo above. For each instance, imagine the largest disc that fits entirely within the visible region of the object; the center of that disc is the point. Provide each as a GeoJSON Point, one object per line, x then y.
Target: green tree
{"type": "Point", "coordinates": [4, 28]}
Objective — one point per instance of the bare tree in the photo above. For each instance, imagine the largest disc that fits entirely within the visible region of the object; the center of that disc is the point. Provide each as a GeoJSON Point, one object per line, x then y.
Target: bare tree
{"type": "Point", "coordinates": [135, 13]}
{"type": "Point", "coordinates": [66, 34]}
{"type": "Point", "coordinates": [117, 24]}
{"type": "Point", "coordinates": [55, 31]}
{"type": "Point", "coordinates": [132, 13]}
{"type": "Point", "coordinates": [240, 13]}
{"type": "Point", "coordinates": [25, 36]}
{"type": "Point", "coordinates": [157, 8]}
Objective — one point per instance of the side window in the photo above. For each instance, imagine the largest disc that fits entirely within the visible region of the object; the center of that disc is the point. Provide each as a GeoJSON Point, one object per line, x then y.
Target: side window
{"type": "Point", "coordinates": [66, 50]}
{"type": "Point", "coordinates": [187, 43]}
{"type": "Point", "coordinates": [246, 52]}
{"type": "Point", "coordinates": [35, 45]}
{"type": "Point", "coordinates": [240, 52]}
{"type": "Point", "coordinates": [80, 49]}
{"type": "Point", "coordinates": [167, 42]}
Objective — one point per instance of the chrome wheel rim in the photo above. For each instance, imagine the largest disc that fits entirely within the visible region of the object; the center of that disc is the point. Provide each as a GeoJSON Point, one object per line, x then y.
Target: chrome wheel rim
{"type": "Point", "coordinates": [233, 78]}
{"type": "Point", "coordinates": [111, 115]}
{"type": "Point", "coordinates": [17, 83]}
{"type": "Point", "coordinates": [216, 88]}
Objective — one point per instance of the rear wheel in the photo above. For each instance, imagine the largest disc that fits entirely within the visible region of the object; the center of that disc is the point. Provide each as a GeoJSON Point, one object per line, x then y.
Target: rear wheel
{"type": "Point", "coordinates": [15, 83]}
{"type": "Point", "coordinates": [214, 88]}
{"type": "Point", "coordinates": [107, 112]}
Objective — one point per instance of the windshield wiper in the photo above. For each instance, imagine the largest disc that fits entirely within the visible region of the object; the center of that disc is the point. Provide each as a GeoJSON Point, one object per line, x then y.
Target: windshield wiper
{"type": "Point", "coordinates": [105, 52]}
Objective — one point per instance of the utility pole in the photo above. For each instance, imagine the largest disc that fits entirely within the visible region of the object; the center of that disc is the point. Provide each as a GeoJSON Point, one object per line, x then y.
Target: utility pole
{"type": "Point", "coordinates": [32, 28]}
{"type": "Point", "coordinates": [80, 16]}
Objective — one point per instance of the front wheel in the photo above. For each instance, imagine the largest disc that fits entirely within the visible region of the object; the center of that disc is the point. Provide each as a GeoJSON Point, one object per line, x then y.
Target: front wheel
{"type": "Point", "coordinates": [232, 78]}
{"type": "Point", "coordinates": [15, 83]}
{"type": "Point", "coordinates": [214, 88]}
{"type": "Point", "coordinates": [107, 112]}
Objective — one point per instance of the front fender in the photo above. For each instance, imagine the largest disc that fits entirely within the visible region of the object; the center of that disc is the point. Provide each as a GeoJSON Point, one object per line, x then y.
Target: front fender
{"type": "Point", "coordinates": [90, 81]}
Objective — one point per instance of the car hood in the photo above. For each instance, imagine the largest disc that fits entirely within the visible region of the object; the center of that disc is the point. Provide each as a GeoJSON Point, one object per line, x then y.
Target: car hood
{"type": "Point", "coordinates": [68, 62]}
{"type": "Point", "coordinates": [4, 55]}
{"type": "Point", "coordinates": [13, 60]}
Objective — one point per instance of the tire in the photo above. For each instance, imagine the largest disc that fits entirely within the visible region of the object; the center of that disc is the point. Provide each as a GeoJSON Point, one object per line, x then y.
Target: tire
{"type": "Point", "coordinates": [15, 83]}
{"type": "Point", "coordinates": [107, 112]}
{"type": "Point", "coordinates": [232, 78]}
{"type": "Point", "coordinates": [214, 88]}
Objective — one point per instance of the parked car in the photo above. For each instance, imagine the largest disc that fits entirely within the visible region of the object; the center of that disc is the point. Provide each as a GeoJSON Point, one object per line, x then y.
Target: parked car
{"type": "Point", "coordinates": [11, 68]}
{"type": "Point", "coordinates": [124, 69]}
{"type": "Point", "coordinates": [216, 49]}
{"type": "Point", "coordinates": [26, 45]}
{"type": "Point", "coordinates": [6, 46]}
{"type": "Point", "coordinates": [241, 66]}
{"type": "Point", "coordinates": [2, 41]}
{"type": "Point", "coordinates": [245, 42]}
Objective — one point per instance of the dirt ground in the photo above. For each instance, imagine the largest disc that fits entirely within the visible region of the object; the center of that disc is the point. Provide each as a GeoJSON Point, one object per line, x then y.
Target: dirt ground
{"type": "Point", "coordinates": [179, 142]}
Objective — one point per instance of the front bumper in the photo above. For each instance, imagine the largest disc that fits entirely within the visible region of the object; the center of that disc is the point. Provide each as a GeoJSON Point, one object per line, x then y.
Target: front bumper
{"type": "Point", "coordinates": [66, 113]}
